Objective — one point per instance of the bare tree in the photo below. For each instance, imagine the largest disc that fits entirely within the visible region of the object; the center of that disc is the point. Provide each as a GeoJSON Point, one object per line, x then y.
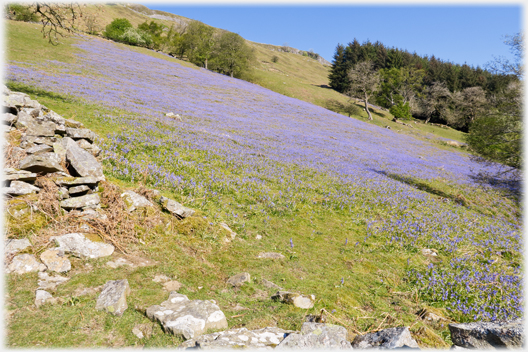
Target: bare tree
{"type": "Point", "coordinates": [364, 81]}
{"type": "Point", "coordinates": [58, 19]}
{"type": "Point", "coordinates": [435, 102]}
{"type": "Point", "coordinates": [502, 65]}
{"type": "Point", "coordinates": [469, 104]}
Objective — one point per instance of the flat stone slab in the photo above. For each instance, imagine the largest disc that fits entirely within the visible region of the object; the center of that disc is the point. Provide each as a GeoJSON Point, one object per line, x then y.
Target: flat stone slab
{"type": "Point", "coordinates": [13, 246]}
{"type": "Point", "coordinates": [78, 245]}
{"type": "Point", "coordinates": [76, 181]}
{"type": "Point", "coordinates": [25, 263]}
{"type": "Point", "coordinates": [83, 162]}
{"type": "Point", "coordinates": [176, 208]}
{"type": "Point", "coordinates": [239, 279]}
{"type": "Point", "coordinates": [270, 255]}
{"type": "Point", "coordinates": [11, 174]}
{"type": "Point", "coordinates": [19, 188]}
{"type": "Point", "coordinates": [48, 282]}
{"type": "Point", "coordinates": [266, 338]}
{"type": "Point", "coordinates": [41, 148]}
{"type": "Point", "coordinates": [113, 297]}
{"type": "Point", "coordinates": [297, 299]}
{"type": "Point", "coordinates": [80, 133]}
{"type": "Point", "coordinates": [134, 201]}
{"type": "Point", "coordinates": [55, 260]}
{"type": "Point", "coordinates": [78, 189]}
{"type": "Point", "coordinates": [88, 200]}
{"type": "Point", "coordinates": [488, 335]}
{"type": "Point", "coordinates": [42, 297]}
{"type": "Point", "coordinates": [399, 337]}
{"type": "Point", "coordinates": [189, 319]}
{"type": "Point", "coordinates": [41, 163]}
{"type": "Point", "coordinates": [317, 336]}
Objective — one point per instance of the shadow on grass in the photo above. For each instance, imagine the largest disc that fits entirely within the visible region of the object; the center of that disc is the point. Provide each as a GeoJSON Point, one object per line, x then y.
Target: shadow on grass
{"type": "Point", "coordinates": [509, 184]}
{"type": "Point", "coordinates": [322, 86]}
{"type": "Point", "coordinates": [24, 88]}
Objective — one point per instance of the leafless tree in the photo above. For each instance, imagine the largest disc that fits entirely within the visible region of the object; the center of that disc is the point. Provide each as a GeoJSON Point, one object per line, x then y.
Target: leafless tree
{"type": "Point", "coordinates": [364, 82]}
{"type": "Point", "coordinates": [435, 102]}
{"type": "Point", "coordinates": [58, 19]}
{"type": "Point", "coordinates": [468, 104]}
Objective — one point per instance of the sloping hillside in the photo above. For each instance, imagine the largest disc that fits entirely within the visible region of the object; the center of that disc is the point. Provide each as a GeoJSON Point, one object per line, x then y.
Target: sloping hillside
{"type": "Point", "coordinates": [355, 209]}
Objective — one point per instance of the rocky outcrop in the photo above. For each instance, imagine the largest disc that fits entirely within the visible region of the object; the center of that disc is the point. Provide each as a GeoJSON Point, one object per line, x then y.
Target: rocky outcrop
{"type": "Point", "coordinates": [317, 336]}
{"type": "Point", "coordinates": [488, 335]}
{"type": "Point", "coordinates": [135, 201]}
{"type": "Point", "coordinates": [80, 246]}
{"type": "Point", "coordinates": [188, 319]}
{"type": "Point", "coordinates": [176, 208]}
{"type": "Point", "coordinates": [25, 263]}
{"type": "Point", "coordinates": [386, 339]}
{"type": "Point", "coordinates": [113, 297]}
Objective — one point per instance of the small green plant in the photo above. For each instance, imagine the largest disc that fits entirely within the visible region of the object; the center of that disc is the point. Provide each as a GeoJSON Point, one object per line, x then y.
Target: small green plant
{"type": "Point", "coordinates": [401, 111]}
{"type": "Point", "coordinates": [22, 13]}
{"type": "Point", "coordinates": [117, 28]}
{"type": "Point", "coordinates": [275, 59]}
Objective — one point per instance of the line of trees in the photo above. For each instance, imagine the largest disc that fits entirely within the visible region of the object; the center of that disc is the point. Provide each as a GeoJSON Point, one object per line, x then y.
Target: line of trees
{"type": "Point", "coordinates": [224, 52]}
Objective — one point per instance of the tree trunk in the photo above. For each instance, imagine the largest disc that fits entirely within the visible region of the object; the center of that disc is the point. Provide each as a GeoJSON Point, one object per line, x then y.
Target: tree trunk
{"type": "Point", "coordinates": [206, 63]}
{"type": "Point", "coordinates": [367, 109]}
{"type": "Point", "coordinates": [231, 74]}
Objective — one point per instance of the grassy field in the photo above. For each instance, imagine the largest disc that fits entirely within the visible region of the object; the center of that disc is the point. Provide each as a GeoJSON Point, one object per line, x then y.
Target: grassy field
{"type": "Point", "coordinates": [357, 202]}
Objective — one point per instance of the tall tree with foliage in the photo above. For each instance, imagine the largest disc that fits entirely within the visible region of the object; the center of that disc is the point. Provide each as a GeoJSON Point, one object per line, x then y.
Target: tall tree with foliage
{"type": "Point", "coordinates": [364, 82]}
{"type": "Point", "coordinates": [232, 55]}
{"type": "Point", "coordinates": [198, 43]}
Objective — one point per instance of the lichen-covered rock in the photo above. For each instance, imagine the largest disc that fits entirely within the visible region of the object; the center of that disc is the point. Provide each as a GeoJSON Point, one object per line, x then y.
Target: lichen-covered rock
{"type": "Point", "coordinates": [9, 119]}
{"type": "Point", "coordinates": [25, 263]}
{"type": "Point", "coordinates": [14, 246]}
{"type": "Point", "coordinates": [78, 245]}
{"type": "Point", "coordinates": [55, 260]}
{"type": "Point", "coordinates": [80, 133]}
{"type": "Point", "coordinates": [266, 338]}
{"type": "Point", "coordinates": [270, 255]}
{"type": "Point", "coordinates": [83, 162]}
{"type": "Point", "coordinates": [189, 319]}
{"type": "Point", "coordinates": [176, 208]}
{"type": "Point", "coordinates": [41, 163]}
{"type": "Point", "coordinates": [78, 190]}
{"type": "Point", "coordinates": [42, 297]}
{"type": "Point", "coordinates": [40, 128]}
{"type": "Point", "coordinates": [113, 297]}
{"type": "Point", "coordinates": [11, 174]}
{"type": "Point", "coordinates": [76, 181]}
{"type": "Point", "coordinates": [88, 200]}
{"type": "Point", "coordinates": [270, 284]}
{"type": "Point", "coordinates": [30, 141]}
{"type": "Point", "coordinates": [239, 279]}
{"type": "Point", "coordinates": [488, 335]}
{"type": "Point", "coordinates": [48, 282]}
{"type": "Point", "coordinates": [89, 147]}
{"type": "Point", "coordinates": [19, 188]}
{"type": "Point", "coordinates": [38, 149]}
{"type": "Point", "coordinates": [386, 339]}
{"type": "Point", "coordinates": [298, 300]}
{"type": "Point", "coordinates": [134, 201]}
{"type": "Point", "coordinates": [72, 123]}
{"type": "Point", "coordinates": [317, 336]}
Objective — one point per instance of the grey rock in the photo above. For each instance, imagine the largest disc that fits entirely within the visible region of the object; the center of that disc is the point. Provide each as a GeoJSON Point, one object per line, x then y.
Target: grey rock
{"type": "Point", "coordinates": [430, 252]}
{"type": "Point", "coordinates": [270, 284]}
{"type": "Point", "coordinates": [48, 282]}
{"type": "Point", "coordinates": [16, 99]}
{"type": "Point", "coordinates": [25, 263]}
{"type": "Point", "coordinates": [118, 262]}
{"type": "Point", "coordinates": [386, 339]}
{"type": "Point", "coordinates": [76, 181]}
{"type": "Point", "coordinates": [19, 188]}
{"type": "Point", "coordinates": [24, 120]}
{"type": "Point", "coordinates": [63, 193]}
{"type": "Point", "coordinates": [42, 297]}
{"type": "Point", "coordinates": [54, 117]}
{"type": "Point", "coordinates": [82, 291]}
{"type": "Point", "coordinates": [13, 246]}
{"type": "Point", "coordinates": [60, 150]}
{"type": "Point", "coordinates": [76, 190]}
{"type": "Point", "coordinates": [91, 214]}
{"type": "Point", "coordinates": [80, 133]}
{"type": "Point", "coordinates": [78, 245]}
{"type": "Point", "coordinates": [9, 119]}
{"type": "Point", "coordinates": [270, 255]}
{"type": "Point", "coordinates": [297, 299]}
{"type": "Point", "coordinates": [266, 338]}
{"type": "Point", "coordinates": [72, 123]}
{"type": "Point", "coordinates": [172, 285]}
{"type": "Point", "coordinates": [34, 112]}
{"type": "Point", "coordinates": [29, 141]}
{"type": "Point", "coordinates": [113, 297]}
{"type": "Point", "coordinates": [189, 319]}
{"type": "Point", "coordinates": [232, 234]}
{"type": "Point", "coordinates": [45, 163]}
{"type": "Point", "coordinates": [40, 148]}
{"type": "Point", "coordinates": [176, 208]}
{"type": "Point", "coordinates": [142, 330]}
{"type": "Point", "coordinates": [60, 129]}
{"type": "Point", "coordinates": [134, 201]}
{"type": "Point", "coordinates": [92, 148]}
{"type": "Point", "coordinates": [239, 279]}
{"type": "Point", "coordinates": [317, 335]}
{"type": "Point", "coordinates": [55, 260]}
{"type": "Point", "coordinates": [88, 200]}
{"type": "Point", "coordinates": [84, 163]}
{"type": "Point", "coordinates": [161, 278]}
{"type": "Point", "coordinates": [488, 335]}
{"type": "Point", "coordinates": [40, 128]}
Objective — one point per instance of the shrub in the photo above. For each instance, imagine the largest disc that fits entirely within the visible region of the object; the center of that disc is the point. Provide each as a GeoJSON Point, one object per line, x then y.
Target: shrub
{"type": "Point", "coordinates": [401, 111]}
{"type": "Point", "coordinates": [117, 28]}
{"type": "Point", "coordinates": [135, 36]}
{"type": "Point", "coordinates": [21, 13]}
{"type": "Point", "coordinates": [275, 59]}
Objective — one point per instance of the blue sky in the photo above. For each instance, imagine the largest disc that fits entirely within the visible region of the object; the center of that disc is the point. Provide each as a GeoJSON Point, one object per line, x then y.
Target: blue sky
{"type": "Point", "coordinates": [471, 34]}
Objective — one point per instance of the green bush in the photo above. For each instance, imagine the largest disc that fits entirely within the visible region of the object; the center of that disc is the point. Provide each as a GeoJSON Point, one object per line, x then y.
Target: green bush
{"type": "Point", "coordinates": [401, 111]}
{"type": "Point", "coordinates": [117, 28]}
{"type": "Point", "coordinates": [275, 59]}
{"type": "Point", "coordinates": [21, 13]}
{"type": "Point", "coordinates": [135, 36]}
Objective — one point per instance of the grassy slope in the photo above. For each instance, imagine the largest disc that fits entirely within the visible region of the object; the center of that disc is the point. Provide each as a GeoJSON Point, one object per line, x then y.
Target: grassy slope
{"type": "Point", "coordinates": [199, 260]}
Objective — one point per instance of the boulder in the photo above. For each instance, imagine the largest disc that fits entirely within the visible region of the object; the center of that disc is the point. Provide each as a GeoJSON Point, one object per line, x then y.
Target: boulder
{"type": "Point", "coordinates": [80, 246]}
{"type": "Point", "coordinates": [298, 300]}
{"type": "Point", "coordinates": [113, 297]}
{"type": "Point", "coordinates": [19, 188]}
{"type": "Point", "coordinates": [11, 174]}
{"type": "Point", "coordinates": [80, 133]}
{"type": "Point", "coordinates": [239, 279]}
{"type": "Point", "coordinates": [39, 148]}
{"type": "Point", "coordinates": [189, 319]}
{"type": "Point", "coordinates": [265, 338]}
{"type": "Point", "coordinates": [9, 119]}
{"type": "Point", "coordinates": [23, 120]}
{"type": "Point", "coordinates": [42, 297]}
{"type": "Point", "coordinates": [55, 260]}
{"type": "Point", "coordinates": [270, 255]}
{"type": "Point", "coordinates": [176, 208]}
{"type": "Point", "coordinates": [386, 339]}
{"type": "Point", "coordinates": [84, 163]}
{"type": "Point", "coordinates": [488, 335]}
{"type": "Point", "coordinates": [270, 284]}
{"type": "Point", "coordinates": [25, 263]}
{"type": "Point", "coordinates": [41, 163]}
{"type": "Point", "coordinates": [88, 200]}
{"type": "Point", "coordinates": [317, 336]}
{"type": "Point", "coordinates": [134, 201]}
{"type": "Point", "coordinates": [92, 148]}
{"type": "Point", "coordinates": [40, 128]}
{"type": "Point", "coordinates": [48, 282]}
{"type": "Point", "coordinates": [13, 246]}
